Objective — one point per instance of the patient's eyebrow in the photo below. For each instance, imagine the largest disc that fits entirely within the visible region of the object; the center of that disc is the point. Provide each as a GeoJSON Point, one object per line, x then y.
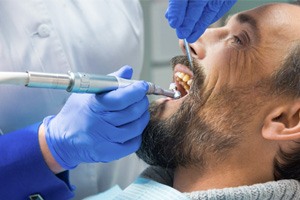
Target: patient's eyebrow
{"type": "Point", "coordinates": [245, 18]}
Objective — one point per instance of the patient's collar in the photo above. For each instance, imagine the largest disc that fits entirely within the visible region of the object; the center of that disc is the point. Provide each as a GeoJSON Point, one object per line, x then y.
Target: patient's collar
{"type": "Point", "coordinates": [283, 189]}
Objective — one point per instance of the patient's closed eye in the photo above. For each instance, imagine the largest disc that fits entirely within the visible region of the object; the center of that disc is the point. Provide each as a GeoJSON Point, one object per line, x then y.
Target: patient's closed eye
{"type": "Point", "coordinates": [237, 40]}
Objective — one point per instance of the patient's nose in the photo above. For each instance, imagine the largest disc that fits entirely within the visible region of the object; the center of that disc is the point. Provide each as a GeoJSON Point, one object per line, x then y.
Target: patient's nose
{"type": "Point", "coordinates": [197, 49]}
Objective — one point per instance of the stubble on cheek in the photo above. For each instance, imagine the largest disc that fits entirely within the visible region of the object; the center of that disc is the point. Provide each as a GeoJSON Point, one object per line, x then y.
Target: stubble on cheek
{"type": "Point", "coordinates": [201, 127]}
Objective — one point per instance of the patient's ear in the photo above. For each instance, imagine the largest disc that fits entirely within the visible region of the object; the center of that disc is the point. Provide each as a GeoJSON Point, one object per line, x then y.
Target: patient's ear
{"type": "Point", "coordinates": [283, 123]}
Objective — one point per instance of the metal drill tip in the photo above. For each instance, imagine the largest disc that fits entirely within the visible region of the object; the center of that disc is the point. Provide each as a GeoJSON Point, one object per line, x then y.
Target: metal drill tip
{"type": "Point", "coordinates": [156, 90]}
{"type": "Point", "coordinates": [177, 94]}
{"type": "Point", "coordinates": [172, 86]}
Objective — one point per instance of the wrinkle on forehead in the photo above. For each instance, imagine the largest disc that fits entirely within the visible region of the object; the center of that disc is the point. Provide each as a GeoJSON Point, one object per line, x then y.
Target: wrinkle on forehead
{"type": "Point", "coordinates": [280, 20]}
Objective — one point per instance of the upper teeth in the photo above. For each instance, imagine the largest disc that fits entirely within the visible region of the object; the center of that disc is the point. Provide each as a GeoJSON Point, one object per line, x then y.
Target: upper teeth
{"type": "Point", "coordinates": [184, 80]}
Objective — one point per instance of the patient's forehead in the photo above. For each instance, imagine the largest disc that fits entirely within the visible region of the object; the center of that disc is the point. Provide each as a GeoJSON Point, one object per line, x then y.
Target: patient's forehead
{"type": "Point", "coordinates": [279, 21]}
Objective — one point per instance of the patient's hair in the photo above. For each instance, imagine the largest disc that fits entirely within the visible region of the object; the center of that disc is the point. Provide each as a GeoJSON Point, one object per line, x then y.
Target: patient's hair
{"type": "Point", "coordinates": [286, 81]}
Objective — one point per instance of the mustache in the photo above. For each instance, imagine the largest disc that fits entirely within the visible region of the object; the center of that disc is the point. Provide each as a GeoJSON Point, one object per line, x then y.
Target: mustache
{"type": "Point", "coordinates": [180, 60]}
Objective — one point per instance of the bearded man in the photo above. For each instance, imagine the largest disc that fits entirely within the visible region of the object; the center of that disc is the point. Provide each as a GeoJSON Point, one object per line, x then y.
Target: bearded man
{"type": "Point", "coordinates": [237, 130]}
{"type": "Point", "coordinates": [235, 134]}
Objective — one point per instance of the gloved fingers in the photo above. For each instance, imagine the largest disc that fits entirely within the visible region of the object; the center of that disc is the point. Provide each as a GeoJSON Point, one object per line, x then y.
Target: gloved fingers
{"type": "Point", "coordinates": [124, 72]}
{"type": "Point", "coordinates": [121, 98]}
{"type": "Point", "coordinates": [119, 150]}
{"type": "Point", "coordinates": [195, 9]}
{"type": "Point", "coordinates": [129, 114]}
{"type": "Point", "coordinates": [126, 132]}
{"type": "Point", "coordinates": [227, 5]}
{"type": "Point", "coordinates": [74, 103]}
{"type": "Point", "coordinates": [176, 12]}
{"type": "Point", "coordinates": [209, 13]}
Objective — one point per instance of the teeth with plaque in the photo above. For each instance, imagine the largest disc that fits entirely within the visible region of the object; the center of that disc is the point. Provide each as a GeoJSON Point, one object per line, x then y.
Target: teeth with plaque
{"type": "Point", "coordinates": [184, 80]}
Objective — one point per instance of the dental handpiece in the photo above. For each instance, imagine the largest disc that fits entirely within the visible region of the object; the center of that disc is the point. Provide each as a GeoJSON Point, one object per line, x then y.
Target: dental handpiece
{"type": "Point", "coordinates": [78, 82]}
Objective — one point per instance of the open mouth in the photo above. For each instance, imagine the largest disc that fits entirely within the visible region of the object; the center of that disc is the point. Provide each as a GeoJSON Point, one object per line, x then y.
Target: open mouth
{"type": "Point", "coordinates": [183, 78]}
{"type": "Point", "coordinates": [182, 82]}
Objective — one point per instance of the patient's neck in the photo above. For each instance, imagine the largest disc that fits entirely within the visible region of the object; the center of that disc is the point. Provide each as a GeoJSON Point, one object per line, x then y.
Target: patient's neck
{"type": "Point", "coordinates": [234, 171]}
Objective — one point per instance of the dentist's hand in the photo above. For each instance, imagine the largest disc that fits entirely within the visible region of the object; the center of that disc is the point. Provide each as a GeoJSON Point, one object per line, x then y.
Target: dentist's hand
{"type": "Point", "coordinates": [99, 128]}
{"type": "Point", "coordinates": [190, 18]}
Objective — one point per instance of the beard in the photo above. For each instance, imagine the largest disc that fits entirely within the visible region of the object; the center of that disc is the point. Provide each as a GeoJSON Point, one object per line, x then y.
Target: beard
{"type": "Point", "coordinates": [204, 127]}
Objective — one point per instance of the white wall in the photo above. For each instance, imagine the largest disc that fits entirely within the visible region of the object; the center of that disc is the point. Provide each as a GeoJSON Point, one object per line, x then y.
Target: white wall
{"type": "Point", "coordinates": [161, 43]}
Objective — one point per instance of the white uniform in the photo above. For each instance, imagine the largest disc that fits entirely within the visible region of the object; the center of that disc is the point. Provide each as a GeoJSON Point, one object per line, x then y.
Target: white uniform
{"type": "Point", "coordinates": [93, 36]}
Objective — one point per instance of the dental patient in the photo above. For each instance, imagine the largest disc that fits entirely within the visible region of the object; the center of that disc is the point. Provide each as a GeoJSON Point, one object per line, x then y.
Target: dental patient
{"type": "Point", "coordinates": [236, 132]}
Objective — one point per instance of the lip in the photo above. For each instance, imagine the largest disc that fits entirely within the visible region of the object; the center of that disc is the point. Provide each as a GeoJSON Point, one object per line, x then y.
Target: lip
{"type": "Point", "coordinates": [170, 106]}
{"type": "Point", "coordinates": [182, 68]}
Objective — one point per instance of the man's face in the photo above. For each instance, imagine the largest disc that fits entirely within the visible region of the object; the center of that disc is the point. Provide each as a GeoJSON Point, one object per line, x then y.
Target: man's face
{"type": "Point", "coordinates": [229, 93]}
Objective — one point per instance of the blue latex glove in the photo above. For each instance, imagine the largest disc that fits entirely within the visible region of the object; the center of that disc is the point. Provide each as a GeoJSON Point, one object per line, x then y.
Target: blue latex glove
{"type": "Point", "coordinates": [99, 128]}
{"type": "Point", "coordinates": [191, 18]}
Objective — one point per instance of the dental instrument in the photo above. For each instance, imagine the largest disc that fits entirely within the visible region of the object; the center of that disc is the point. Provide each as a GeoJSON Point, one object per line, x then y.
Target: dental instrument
{"type": "Point", "coordinates": [77, 82]}
{"type": "Point", "coordinates": [188, 53]}
{"type": "Point", "coordinates": [173, 87]}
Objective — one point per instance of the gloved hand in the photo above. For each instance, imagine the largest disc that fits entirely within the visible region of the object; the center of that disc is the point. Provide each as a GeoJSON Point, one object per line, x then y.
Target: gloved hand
{"type": "Point", "coordinates": [99, 128]}
{"type": "Point", "coordinates": [190, 18]}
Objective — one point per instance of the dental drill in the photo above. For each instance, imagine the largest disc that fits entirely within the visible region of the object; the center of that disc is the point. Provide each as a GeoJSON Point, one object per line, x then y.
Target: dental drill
{"type": "Point", "coordinates": [77, 82]}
